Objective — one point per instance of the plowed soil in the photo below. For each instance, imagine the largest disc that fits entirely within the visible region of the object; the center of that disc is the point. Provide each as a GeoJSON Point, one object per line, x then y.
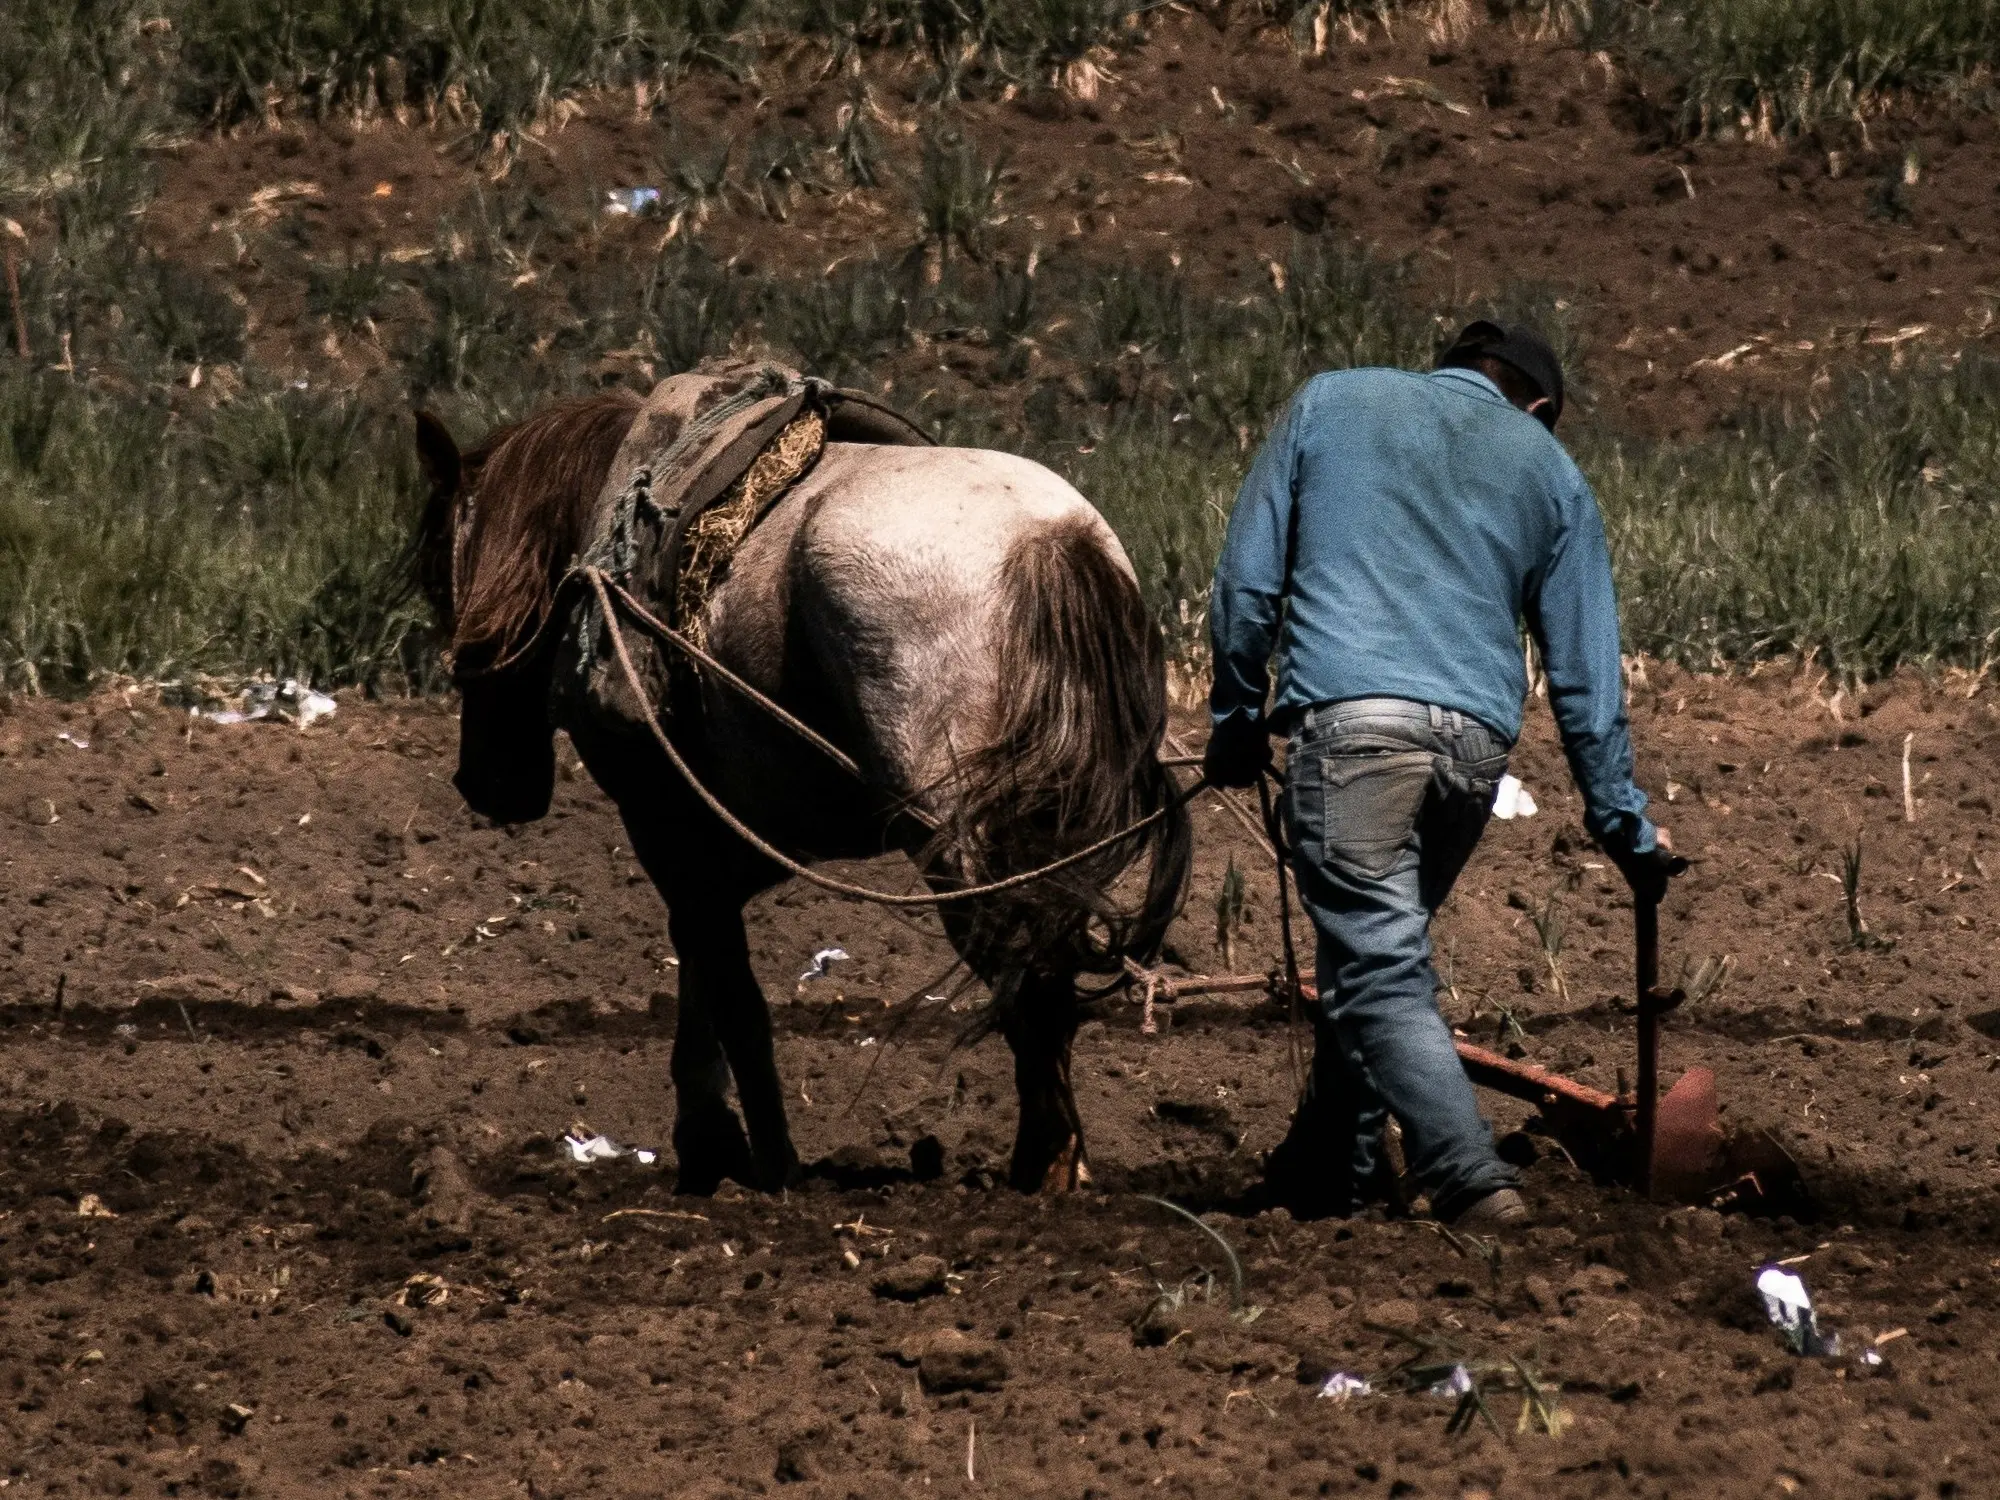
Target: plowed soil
{"type": "Point", "coordinates": [291, 1041]}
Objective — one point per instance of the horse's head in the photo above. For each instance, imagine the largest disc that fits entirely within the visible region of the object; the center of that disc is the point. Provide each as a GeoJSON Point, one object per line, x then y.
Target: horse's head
{"type": "Point", "coordinates": [499, 529]}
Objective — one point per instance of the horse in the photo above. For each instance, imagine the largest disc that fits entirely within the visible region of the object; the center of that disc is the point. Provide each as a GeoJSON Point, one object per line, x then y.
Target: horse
{"type": "Point", "coordinates": [960, 632]}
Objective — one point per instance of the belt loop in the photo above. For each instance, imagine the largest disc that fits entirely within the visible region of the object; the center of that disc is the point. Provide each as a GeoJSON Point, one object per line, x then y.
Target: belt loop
{"type": "Point", "coordinates": [1437, 717]}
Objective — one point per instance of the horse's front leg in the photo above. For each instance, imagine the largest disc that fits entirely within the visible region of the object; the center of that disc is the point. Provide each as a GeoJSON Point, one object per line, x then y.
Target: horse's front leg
{"type": "Point", "coordinates": [1049, 1154]}
{"type": "Point", "coordinates": [714, 951]}
{"type": "Point", "coordinates": [709, 1144]}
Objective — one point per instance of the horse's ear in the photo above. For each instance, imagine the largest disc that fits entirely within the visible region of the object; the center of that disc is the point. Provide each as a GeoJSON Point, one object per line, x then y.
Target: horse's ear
{"type": "Point", "coordinates": [438, 454]}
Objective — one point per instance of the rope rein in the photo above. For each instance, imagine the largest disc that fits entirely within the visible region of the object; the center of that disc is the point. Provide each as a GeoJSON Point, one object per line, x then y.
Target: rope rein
{"type": "Point", "coordinates": [661, 630]}
{"type": "Point", "coordinates": [603, 588]}
{"type": "Point", "coordinates": [1274, 830]}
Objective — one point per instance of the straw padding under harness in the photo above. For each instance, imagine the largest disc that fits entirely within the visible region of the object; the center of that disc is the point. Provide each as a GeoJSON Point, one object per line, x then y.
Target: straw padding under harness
{"type": "Point", "coordinates": [707, 457]}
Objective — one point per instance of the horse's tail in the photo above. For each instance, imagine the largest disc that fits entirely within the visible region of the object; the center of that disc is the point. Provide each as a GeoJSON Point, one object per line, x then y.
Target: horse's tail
{"type": "Point", "coordinates": [1072, 760]}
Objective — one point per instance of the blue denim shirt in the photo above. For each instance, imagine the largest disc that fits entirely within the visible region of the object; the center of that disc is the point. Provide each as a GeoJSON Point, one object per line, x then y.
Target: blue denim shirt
{"type": "Point", "coordinates": [1390, 539]}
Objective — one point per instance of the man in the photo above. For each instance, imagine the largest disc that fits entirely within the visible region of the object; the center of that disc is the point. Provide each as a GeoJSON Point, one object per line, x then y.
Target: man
{"type": "Point", "coordinates": [1393, 534]}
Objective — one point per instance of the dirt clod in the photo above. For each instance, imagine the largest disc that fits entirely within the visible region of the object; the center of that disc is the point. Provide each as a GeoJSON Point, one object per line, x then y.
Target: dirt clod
{"type": "Point", "coordinates": [955, 1361]}
{"type": "Point", "coordinates": [912, 1280]}
{"type": "Point", "coordinates": [1396, 1312]}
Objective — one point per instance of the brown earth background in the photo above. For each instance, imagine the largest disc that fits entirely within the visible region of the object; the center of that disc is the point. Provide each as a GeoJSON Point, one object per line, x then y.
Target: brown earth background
{"type": "Point", "coordinates": [312, 1034]}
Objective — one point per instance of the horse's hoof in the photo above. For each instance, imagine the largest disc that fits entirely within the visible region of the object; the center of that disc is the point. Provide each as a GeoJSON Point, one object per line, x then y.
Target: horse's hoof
{"type": "Point", "coordinates": [1068, 1175]}
{"type": "Point", "coordinates": [704, 1162]}
{"type": "Point", "coordinates": [778, 1178]}
{"type": "Point", "coordinates": [700, 1176]}
{"type": "Point", "coordinates": [1068, 1170]}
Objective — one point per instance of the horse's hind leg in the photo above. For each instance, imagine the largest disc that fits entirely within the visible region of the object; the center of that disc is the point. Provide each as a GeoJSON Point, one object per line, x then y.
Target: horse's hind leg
{"type": "Point", "coordinates": [711, 942]}
{"type": "Point", "coordinates": [1048, 1143]}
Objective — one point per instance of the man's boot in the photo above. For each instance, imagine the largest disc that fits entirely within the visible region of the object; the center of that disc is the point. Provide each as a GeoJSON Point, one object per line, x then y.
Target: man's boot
{"type": "Point", "coordinates": [1504, 1209]}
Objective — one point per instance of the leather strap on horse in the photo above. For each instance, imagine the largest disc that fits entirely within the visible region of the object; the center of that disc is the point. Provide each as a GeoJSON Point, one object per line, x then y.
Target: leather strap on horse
{"type": "Point", "coordinates": [605, 602]}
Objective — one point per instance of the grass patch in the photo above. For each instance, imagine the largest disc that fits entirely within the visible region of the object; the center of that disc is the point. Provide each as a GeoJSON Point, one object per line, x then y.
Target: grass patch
{"type": "Point", "coordinates": [1863, 530]}
{"type": "Point", "coordinates": [152, 530]}
{"type": "Point", "coordinates": [1775, 66]}
{"type": "Point", "coordinates": [351, 294]}
{"type": "Point", "coordinates": [269, 538]}
{"type": "Point", "coordinates": [958, 193]}
{"type": "Point", "coordinates": [153, 523]}
{"type": "Point", "coordinates": [505, 62]}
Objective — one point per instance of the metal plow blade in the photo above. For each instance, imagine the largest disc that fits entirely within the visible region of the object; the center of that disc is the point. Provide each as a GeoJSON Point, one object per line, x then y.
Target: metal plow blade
{"type": "Point", "coordinates": [1691, 1159]}
{"type": "Point", "coordinates": [1687, 1138]}
{"type": "Point", "coordinates": [1669, 1146]}
{"type": "Point", "coordinates": [1695, 1160]}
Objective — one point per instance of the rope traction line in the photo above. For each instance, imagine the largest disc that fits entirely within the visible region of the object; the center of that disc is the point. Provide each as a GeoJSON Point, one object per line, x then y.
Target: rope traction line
{"type": "Point", "coordinates": [777, 856]}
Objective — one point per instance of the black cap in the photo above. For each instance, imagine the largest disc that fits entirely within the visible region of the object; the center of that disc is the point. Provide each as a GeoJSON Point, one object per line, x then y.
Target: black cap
{"type": "Point", "coordinates": [1519, 346]}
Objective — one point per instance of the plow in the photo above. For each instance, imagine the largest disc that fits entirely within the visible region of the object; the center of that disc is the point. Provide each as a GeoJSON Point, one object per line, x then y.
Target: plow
{"type": "Point", "coordinates": [1671, 1146]}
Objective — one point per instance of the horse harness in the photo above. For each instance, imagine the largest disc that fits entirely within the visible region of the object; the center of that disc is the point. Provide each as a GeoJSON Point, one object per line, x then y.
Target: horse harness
{"type": "Point", "coordinates": [707, 457]}
{"type": "Point", "coordinates": [709, 453]}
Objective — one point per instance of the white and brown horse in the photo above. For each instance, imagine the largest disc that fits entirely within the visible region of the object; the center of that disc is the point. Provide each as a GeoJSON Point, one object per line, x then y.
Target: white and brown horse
{"type": "Point", "coordinates": [961, 623]}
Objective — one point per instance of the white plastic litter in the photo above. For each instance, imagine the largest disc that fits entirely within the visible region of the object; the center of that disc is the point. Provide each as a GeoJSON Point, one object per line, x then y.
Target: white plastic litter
{"type": "Point", "coordinates": [822, 964]}
{"type": "Point", "coordinates": [290, 700]}
{"type": "Point", "coordinates": [309, 705]}
{"type": "Point", "coordinates": [631, 200]}
{"type": "Point", "coordinates": [1788, 1305]}
{"type": "Point", "coordinates": [1454, 1385]}
{"type": "Point", "coordinates": [585, 1149]}
{"type": "Point", "coordinates": [1341, 1386]}
{"type": "Point", "coordinates": [1512, 800]}
{"type": "Point", "coordinates": [72, 741]}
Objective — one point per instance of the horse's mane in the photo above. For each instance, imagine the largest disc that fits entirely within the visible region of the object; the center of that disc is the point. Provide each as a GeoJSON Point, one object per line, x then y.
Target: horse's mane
{"type": "Point", "coordinates": [532, 487]}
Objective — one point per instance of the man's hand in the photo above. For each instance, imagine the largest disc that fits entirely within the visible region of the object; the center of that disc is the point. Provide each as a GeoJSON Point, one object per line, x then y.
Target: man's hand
{"type": "Point", "coordinates": [1239, 751]}
{"type": "Point", "coordinates": [1649, 873]}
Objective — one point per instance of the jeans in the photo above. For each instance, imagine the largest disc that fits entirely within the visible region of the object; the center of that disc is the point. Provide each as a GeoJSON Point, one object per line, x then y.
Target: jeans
{"type": "Point", "coordinates": [1384, 801]}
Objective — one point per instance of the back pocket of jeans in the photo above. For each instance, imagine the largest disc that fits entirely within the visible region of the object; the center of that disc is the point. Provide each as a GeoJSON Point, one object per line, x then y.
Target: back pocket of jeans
{"type": "Point", "coordinates": [1370, 807]}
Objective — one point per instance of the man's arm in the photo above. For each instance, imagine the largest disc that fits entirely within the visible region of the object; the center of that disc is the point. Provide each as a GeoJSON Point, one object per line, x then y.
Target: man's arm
{"type": "Point", "coordinates": [1572, 613]}
{"type": "Point", "coordinates": [1244, 604]}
